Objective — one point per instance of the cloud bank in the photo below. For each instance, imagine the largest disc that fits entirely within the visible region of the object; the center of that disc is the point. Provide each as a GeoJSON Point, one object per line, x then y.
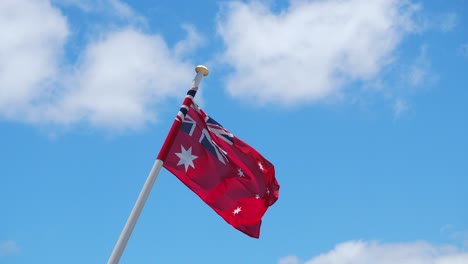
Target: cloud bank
{"type": "Point", "coordinates": [312, 49]}
{"type": "Point", "coordinates": [120, 77]}
{"type": "Point", "coordinates": [362, 252]}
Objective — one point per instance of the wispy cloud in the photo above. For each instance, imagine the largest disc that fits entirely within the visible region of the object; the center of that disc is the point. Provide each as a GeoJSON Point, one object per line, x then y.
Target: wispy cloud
{"type": "Point", "coordinates": [115, 8]}
{"type": "Point", "coordinates": [194, 40]}
{"type": "Point", "coordinates": [364, 252]}
{"type": "Point", "coordinates": [444, 22]}
{"type": "Point", "coordinates": [448, 22]}
{"type": "Point", "coordinates": [312, 49]}
{"type": "Point", "coordinates": [8, 248]}
{"type": "Point", "coordinates": [289, 260]}
{"type": "Point", "coordinates": [419, 72]}
{"type": "Point", "coordinates": [456, 235]}
{"type": "Point", "coordinates": [407, 79]}
{"type": "Point", "coordinates": [400, 107]}
{"type": "Point", "coordinates": [463, 50]}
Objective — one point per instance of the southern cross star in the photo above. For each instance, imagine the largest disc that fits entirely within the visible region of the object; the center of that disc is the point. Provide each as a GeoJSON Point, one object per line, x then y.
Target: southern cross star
{"type": "Point", "coordinates": [237, 210]}
{"type": "Point", "coordinates": [260, 166]}
{"type": "Point", "coordinates": [186, 158]}
{"type": "Point", "coordinates": [240, 172]}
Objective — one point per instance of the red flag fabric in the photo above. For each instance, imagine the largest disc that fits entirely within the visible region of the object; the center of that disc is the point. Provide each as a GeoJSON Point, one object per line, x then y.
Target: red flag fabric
{"type": "Point", "coordinates": [226, 173]}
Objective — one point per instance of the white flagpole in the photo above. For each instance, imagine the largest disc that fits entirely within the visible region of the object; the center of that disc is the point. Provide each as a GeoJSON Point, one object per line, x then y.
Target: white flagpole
{"type": "Point", "coordinates": [145, 191]}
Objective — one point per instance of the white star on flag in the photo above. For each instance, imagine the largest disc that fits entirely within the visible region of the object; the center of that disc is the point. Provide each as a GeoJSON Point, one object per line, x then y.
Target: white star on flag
{"type": "Point", "coordinates": [260, 166]}
{"type": "Point", "coordinates": [186, 158]}
{"type": "Point", "coordinates": [257, 196]}
{"type": "Point", "coordinates": [240, 172]}
{"type": "Point", "coordinates": [237, 211]}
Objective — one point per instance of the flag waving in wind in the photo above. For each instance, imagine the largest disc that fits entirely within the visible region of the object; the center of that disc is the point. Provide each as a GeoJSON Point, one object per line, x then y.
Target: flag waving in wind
{"type": "Point", "coordinates": [225, 172]}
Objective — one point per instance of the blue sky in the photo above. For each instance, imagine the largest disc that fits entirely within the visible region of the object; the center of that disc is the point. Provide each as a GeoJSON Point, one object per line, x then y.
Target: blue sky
{"type": "Point", "coordinates": [361, 106]}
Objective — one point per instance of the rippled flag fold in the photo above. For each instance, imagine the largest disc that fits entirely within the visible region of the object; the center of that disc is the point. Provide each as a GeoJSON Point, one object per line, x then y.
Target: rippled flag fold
{"type": "Point", "coordinates": [230, 176]}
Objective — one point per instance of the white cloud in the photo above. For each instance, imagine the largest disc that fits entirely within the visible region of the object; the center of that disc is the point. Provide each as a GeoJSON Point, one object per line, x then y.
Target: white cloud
{"type": "Point", "coordinates": [194, 40]}
{"type": "Point", "coordinates": [33, 34]}
{"type": "Point", "coordinates": [121, 77]}
{"type": "Point", "coordinates": [8, 247]}
{"type": "Point", "coordinates": [311, 50]}
{"type": "Point", "coordinates": [362, 252]}
{"type": "Point", "coordinates": [119, 80]}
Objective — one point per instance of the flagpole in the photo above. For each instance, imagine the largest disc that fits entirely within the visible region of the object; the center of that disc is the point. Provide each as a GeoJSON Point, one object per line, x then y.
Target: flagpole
{"type": "Point", "coordinates": [145, 191]}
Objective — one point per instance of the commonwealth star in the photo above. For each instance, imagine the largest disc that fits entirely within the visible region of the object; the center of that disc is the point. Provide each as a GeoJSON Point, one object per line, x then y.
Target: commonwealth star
{"type": "Point", "coordinates": [186, 158]}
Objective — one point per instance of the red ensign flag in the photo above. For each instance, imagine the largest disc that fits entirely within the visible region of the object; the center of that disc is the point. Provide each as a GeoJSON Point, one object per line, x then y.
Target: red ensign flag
{"type": "Point", "coordinates": [225, 172]}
